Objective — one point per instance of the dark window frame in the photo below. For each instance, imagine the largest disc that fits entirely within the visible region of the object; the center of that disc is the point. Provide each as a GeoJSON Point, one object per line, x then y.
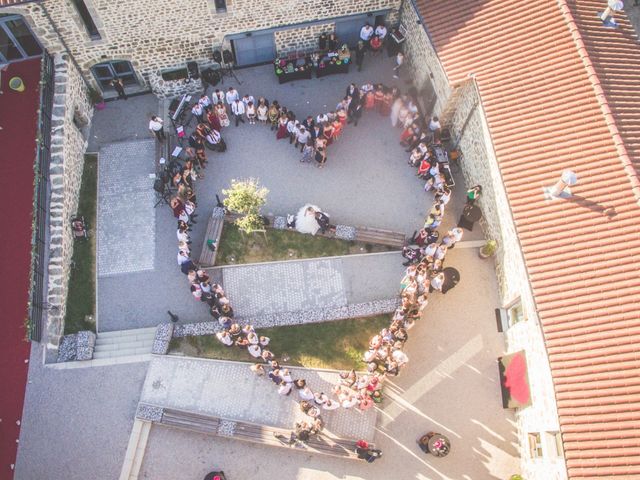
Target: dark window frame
{"type": "Point", "coordinates": [220, 6]}
{"type": "Point", "coordinates": [87, 19]}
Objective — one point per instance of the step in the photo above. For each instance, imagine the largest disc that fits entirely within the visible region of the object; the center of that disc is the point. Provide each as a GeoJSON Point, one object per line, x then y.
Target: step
{"type": "Point", "coordinates": [125, 338]}
{"type": "Point", "coordinates": [133, 331]}
{"type": "Point", "coordinates": [97, 354]}
{"type": "Point", "coordinates": [103, 347]}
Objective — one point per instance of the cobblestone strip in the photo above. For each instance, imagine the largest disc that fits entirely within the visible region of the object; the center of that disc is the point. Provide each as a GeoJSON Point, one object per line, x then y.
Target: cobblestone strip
{"type": "Point", "coordinates": [357, 310]}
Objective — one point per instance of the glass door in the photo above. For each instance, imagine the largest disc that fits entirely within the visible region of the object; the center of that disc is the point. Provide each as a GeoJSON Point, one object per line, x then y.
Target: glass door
{"type": "Point", "coordinates": [107, 71]}
{"type": "Point", "coordinates": [16, 40]}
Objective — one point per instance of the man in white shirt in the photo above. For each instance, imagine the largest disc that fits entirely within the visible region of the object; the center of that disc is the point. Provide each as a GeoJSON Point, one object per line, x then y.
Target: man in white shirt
{"type": "Point", "coordinates": [381, 31]}
{"type": "Point", "coordinates": [155, 126]}
{"type": "Point", "coordinates": [205, 101]}
{"type": "Point", "coordinates": [366, 33]}
{"type": "Point", "coordinates": [322, 118]}
{"type": "Point", "coordinates": [198, 111]}
{"type": "Point", "coordinates": [248, 98]}
{"type": "Point", "coordinates": [238, 109]}
{"type": "Point", "coordinates": [302, 137]}
{"type": "Point", "coordinates": [232, 96]}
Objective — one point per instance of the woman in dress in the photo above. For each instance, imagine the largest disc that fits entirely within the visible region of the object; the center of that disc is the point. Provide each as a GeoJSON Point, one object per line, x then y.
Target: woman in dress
{"type": "Point", "coordinates": [273, 114]}
{"type": "Point", "coordinates": [213, 119]}
{"type": "Point", "coordinates": [395, 111]}
{"type": "Point", "coordinates": [337, 129]}
{"type": "Point", "coordinates": [327, 133]}
{"type": "Point", "coordinates": [251, 113]}
{"type": "Point", "coordinates": [369, 99]}
{"type": "Point", "coordinates": [282, 127]}
{"type": "Point", "coordinates": [262, 110]}
{"type": "Point", "coordinates": [221, 113]}
{"type": "Point", "coordinates": [379, 97]}
{"type": "Point", "coordinates": [342, 116]}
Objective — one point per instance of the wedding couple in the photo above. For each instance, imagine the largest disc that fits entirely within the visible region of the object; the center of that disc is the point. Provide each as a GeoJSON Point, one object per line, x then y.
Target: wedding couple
{"type": "Point", "coordinates": [310, 219]}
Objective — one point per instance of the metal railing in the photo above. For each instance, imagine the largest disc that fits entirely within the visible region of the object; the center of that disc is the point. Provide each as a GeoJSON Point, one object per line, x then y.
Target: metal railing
{"type": "Point", "coordinates": [37, 304]}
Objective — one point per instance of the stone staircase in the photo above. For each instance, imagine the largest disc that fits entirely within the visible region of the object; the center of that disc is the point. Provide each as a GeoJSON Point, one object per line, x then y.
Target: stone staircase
{"type": "Point", "coordinates": [124, 343]}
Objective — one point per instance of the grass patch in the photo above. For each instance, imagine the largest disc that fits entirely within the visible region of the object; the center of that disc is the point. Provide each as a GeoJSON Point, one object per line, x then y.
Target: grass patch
{"type": "Point", "coordinates": [81, 299]}
{"type": "Point", "coordinates": [338, 345]}
{"type": "Point", "coordinates": [236, 247]}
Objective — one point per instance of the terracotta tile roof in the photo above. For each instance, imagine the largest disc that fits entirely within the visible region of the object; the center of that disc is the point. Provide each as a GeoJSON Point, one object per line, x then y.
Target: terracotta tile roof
{"type": "Point", "coordinates": [561, 92]}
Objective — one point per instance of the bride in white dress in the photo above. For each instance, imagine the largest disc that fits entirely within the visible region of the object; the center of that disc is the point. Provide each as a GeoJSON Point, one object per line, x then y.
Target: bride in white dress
{"type": "Point", "coordinates": [306, 219]}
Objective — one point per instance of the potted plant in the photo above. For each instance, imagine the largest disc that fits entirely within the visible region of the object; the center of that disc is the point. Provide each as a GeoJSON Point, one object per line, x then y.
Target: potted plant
{"type": "Point", "coordinates": [96, 99]}
{"type": "Point", "coordinates": [488, 249]}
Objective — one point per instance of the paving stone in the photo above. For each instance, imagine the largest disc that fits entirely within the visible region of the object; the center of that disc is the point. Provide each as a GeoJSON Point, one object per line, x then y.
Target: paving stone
{"type": "Point", "coordinates": [126, 214]}
{"type": "Point", "coordinates": [271, 288]}
{"type": "Point", "coordinates": [232, 391]}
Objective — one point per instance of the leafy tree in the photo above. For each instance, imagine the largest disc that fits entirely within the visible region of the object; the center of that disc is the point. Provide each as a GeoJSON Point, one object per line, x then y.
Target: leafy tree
{"type": "Point", "coordinates": [246, 197]}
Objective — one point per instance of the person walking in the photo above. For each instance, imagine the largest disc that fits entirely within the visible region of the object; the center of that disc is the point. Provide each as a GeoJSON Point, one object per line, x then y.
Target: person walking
{"type": "Point", "coordinates": [399, 62]}
{"type": "Point", "coordinates": [117, 84]}
{"type": "Point", "coordinates": [238, 109]}
{"type": "Point", "coordinates": [156, 128]}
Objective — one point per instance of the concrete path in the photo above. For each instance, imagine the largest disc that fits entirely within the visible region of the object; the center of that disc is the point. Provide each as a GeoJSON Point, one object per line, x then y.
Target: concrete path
{"type": "Point", "coordinates": [451, 385]}
{"type": "Point", "coordinates": [126, 222]}
{"type": "Point", "coordinates": [76, 422]}
{"type": "Point", "coordinates": [231, 391]}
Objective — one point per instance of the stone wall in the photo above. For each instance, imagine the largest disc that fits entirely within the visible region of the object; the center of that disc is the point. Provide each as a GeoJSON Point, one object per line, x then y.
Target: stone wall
{"type": "Point", "coordinates": [68, 145]}
{"type": "Point", "coordinates": [174, 88]}
{"type": "Point", "coordinates": [305, 38]}
{"type": "Point", "coordinates": [160, 34]}
{"type": "Point", "coordinates": [422, 59]}
{"type": "Point", "coordinates": [480, 167]}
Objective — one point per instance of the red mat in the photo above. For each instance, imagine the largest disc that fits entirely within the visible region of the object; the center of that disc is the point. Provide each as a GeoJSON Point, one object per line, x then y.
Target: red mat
{"type": "Point", "coordinates": [18, 119]}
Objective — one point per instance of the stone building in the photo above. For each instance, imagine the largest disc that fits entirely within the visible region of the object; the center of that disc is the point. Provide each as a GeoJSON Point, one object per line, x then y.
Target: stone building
{"type": "Point", "coordinates": [529, 92]}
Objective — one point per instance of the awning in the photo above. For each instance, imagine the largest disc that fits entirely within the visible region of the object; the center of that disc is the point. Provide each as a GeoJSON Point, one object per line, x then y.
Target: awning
{"type": "Point", "coordinates": [514, 380]}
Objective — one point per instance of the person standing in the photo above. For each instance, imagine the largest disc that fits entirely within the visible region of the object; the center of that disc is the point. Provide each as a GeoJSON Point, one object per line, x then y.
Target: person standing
{"type": "Point", "coordinates": [238, 109]}
{"type": "Point", "coordinates": [302, 137]}
{"type": "Point", "coordinates": [399, 62]}
{"type": "Point", "coordinates": [360, 48]}
{"type": "Point", "coordinates": [381, 31]}
{"type": "Point", "coordinates": [366, 32]}
{"type": "Point", "coordinates": [231, 96]}
{"type": "Point", "coordinates": [117, 84]}
{"type": "Point", "coordinates": [308, 152]}
{"type": "Point", "coordinates": [156, 127]}
{"type": "Point", "coordinates": [198, 111]}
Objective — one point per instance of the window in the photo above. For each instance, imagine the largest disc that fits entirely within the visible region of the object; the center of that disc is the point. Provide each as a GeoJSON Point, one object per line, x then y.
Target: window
{"type": "Point", "coordinates": [107, 71]}
{"type": "Point", "coordinates": [221, 6]}
{"type": "Point", "coordinates": [89, 24]}
{"type": "Point", "coordinates": [508, 316]}
{"type": "Point", "coordinates": [535, 445]}
{"type": "Point", "coordinates": [554, 444]}
{"type": "Point", "coordinates": [16, 40]}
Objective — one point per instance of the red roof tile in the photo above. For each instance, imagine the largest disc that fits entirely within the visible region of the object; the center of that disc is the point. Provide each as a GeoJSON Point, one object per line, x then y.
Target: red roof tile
{"type": "Point", "coordinates": [561, 92]}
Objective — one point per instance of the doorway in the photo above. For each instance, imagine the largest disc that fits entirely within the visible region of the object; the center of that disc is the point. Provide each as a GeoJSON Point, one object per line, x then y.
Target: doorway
{"type": "Point", "coordinates": [107, 71]}
{"type": "Point", "coordinates": [254, 49]}
{"type": "Point", "coordinates": [16, 40]}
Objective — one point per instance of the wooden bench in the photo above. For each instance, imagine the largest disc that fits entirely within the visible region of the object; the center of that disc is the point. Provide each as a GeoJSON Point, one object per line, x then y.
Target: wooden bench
{"type": "Point", "coordinates": [381, 237]}
{"type": "Point", "coordinates": [363, 234]}
{"type": "Point", "coordinates": [214, 232]}
{"type": "Point", "coordinates": [261, 434]}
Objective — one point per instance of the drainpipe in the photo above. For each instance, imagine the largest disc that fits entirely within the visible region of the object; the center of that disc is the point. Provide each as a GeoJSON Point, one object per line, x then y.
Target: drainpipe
{"type": "Point", "coordinates": [64, 44]}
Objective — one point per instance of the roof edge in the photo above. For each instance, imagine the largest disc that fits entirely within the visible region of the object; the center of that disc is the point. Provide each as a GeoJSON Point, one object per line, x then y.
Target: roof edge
{"type": "Point", "coordinates": [629, 169]}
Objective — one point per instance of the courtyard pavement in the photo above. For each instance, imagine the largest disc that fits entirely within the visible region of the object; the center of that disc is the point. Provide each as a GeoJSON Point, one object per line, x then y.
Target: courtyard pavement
{"type": "Point", "coordinates": [230, 390]}
{"type": "Point", "coordinates": [450, 385]}
{"type": "Point", "coordinates": [366, 182]}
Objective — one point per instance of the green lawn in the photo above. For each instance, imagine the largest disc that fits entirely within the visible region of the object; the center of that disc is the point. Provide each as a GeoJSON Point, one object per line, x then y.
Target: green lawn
{"type": "Point", "coordinates": [236, 247]}
{"type": "Point", "coordinates": [338, 345]}
{"type": "Point", "coordinates": [81, 299]}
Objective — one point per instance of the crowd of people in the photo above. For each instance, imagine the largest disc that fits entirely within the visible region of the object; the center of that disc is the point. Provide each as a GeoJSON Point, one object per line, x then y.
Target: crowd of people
{"type": "Point", "coordinates": [424, 255]}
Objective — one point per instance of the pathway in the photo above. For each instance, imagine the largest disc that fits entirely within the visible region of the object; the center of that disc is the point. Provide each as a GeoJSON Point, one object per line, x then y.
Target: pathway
{"type": "Point", "coordinates": [311, 290]}
{"type": "Point", "coordinates": [126, 223]}
{"type": "Point", "coordinates": [231, 391]}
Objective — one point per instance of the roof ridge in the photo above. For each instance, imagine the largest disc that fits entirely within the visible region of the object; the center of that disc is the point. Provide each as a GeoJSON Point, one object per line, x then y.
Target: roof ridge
{"type": "Point", "coordinates": [601, 98]}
